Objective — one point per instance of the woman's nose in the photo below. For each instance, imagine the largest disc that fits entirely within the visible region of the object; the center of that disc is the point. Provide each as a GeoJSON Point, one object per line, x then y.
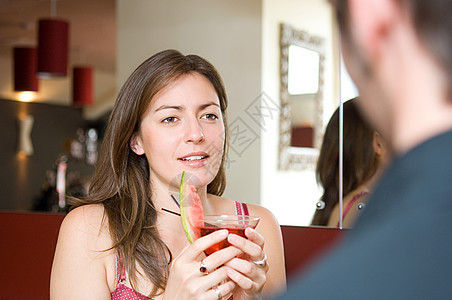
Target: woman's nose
{"type": "Point", "coordinates": [194, 132]}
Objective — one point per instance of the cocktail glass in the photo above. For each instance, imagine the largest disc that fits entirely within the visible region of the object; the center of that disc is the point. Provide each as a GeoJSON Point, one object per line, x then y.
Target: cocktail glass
{"type": "Point", "coordinates": [235, 224]}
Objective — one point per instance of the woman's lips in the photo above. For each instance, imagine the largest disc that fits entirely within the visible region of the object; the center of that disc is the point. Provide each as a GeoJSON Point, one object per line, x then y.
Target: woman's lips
{"type": "Point", "coordinates": [194, 160]}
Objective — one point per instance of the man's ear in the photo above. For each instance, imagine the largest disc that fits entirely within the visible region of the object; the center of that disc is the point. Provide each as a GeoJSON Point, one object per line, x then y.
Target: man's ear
{"type": "Point", "coordinates": [136, 144]}
{"type": "Point", "coordinates": [371, 22]}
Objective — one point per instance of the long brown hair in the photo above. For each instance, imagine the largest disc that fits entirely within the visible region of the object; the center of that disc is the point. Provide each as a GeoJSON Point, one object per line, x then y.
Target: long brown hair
{"type": "Point", "coordinates": [359, 158]}
{"type": "Point", "coordinates": [121, 181]}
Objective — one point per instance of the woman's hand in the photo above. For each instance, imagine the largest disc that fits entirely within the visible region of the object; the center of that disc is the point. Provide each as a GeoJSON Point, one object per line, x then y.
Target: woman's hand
{"type": "Point", "coordinates": [249, 271]}
{"type": "Point", "coordinates": [187, 280]}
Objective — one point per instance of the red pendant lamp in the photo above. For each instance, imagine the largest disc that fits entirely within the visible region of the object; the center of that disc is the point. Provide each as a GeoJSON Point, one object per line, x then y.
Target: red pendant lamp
{"type": "Point", "coordinates": [25, 65]}
{"type": "Point", "coordinates": [53, 40]}
{"type": "Point", "coordinates": [82, 86]}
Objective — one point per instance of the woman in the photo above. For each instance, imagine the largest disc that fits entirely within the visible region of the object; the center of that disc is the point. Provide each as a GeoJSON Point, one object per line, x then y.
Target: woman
{"type": "Point", "coordinates": [364, 156]}
{"type": "Point", "coordinates": [126, 239]}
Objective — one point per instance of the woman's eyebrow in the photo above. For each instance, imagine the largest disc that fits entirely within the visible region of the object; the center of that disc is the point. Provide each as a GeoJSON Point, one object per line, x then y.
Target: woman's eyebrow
{"type": "Point", "coordinates": [181, 108]}
{"type": "Point", "coordinates": [204, 106]}
{"type": "Point", "coordinates": [176, 107]}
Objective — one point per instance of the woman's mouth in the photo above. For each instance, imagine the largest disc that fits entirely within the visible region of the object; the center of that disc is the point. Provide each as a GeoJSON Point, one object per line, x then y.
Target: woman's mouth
{"type": "Point", "coordinates": [194, 160]}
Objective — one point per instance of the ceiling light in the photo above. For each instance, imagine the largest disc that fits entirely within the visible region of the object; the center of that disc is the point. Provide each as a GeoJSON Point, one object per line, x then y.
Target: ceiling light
{"type": "Point", "coordinates": [82, 85]}
{"type": "Point", "coordinates": [53, 40]}
{"type": "Point", "coordinates": [25, 64]}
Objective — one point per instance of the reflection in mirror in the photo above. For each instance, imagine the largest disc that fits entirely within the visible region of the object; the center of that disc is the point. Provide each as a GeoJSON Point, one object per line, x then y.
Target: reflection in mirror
{"type": "Point", "coordinates": [303, 85]}
{"type": "Point", "coordinates": [302, 118]}
{"type": "Point", "coordinates": [303, 72]}
{"type": "Point", "coordinates": [301, 67]}
{"type": "Point", "coordinates": [347, 129]}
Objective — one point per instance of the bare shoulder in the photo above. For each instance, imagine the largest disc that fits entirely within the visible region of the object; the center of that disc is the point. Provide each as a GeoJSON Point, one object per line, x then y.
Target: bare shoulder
{"type": "Point", "coordinates": [87, 219]}
{"type": "Point", "coordinates": [89, 224]}
{"type": "Point", "coordinates": [266, 216]}
{"type": "Point", "coordinates": [82, 259]}
{"type": "Point", "coordinates": [85, 232]}
{"type": "Point", "coordinates": [227, 206]}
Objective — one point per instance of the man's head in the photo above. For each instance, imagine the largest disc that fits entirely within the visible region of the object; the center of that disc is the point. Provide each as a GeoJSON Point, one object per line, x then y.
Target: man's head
{"type": "Point", "coordinates": [430, 18]}
{"type": "Point", "coordinates": [393, 49]}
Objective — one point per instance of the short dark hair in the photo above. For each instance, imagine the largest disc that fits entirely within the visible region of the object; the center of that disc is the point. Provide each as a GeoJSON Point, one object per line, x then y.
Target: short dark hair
{"type": "Point", "coordinates": [432, 22]}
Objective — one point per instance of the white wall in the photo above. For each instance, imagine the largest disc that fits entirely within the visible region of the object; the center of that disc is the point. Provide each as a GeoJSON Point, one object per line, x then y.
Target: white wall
{"type": "Point", "coordinates": [228, 34]}
{"type": "Point", "coordinates": [291, 195]}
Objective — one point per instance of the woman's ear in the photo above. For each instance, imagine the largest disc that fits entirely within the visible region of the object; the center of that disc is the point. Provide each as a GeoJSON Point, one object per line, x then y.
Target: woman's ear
{"type": "Point", "coordinates": [378, 143]}
{"type": "Point", "coordinates": [136, 144]}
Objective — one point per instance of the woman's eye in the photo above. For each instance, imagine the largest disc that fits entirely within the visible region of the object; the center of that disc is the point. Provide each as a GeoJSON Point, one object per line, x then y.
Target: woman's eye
{"type": "Point", "coordinates": [211, 116]}
{"type": "Point", "coordinates": [169, 120]}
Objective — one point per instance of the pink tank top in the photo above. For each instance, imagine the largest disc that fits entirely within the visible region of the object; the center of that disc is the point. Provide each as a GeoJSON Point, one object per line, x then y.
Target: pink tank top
{"type": "Point", "coordinates": [124, 292]}
{"type": "Point", "coordinates": [349, 205]}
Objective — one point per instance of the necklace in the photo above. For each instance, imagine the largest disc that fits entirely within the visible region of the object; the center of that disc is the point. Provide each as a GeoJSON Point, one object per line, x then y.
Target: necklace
{"type": "Point", "coordinates": [170, 211]}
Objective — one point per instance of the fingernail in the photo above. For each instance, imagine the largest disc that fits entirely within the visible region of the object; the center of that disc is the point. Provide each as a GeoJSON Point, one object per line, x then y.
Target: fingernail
{"type": "Point", "coordinates": [232, 238]}
{"type": "Point", "coordinates": [222, 232]}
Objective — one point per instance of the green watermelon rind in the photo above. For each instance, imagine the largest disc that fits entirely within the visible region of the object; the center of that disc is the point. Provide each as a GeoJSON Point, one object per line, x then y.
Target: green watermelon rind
{"type": "Point", "coordinates": [189, 228]}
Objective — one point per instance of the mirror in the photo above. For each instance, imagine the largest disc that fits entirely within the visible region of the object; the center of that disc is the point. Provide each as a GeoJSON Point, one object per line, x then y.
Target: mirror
{"type": "Point", "coordinates": [302, 58]}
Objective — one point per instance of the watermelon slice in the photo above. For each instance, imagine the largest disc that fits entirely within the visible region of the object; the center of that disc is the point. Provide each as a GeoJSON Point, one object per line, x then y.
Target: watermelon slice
{"type": "Point", "coordinates": [190, 209]}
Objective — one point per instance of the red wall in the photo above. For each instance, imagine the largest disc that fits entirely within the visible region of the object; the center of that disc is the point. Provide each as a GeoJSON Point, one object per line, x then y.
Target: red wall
{"type": "Point", "coordinates": [27, 246]}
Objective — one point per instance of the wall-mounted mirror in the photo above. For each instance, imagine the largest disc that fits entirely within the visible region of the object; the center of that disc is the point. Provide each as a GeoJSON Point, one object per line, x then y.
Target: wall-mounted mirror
{"type": "Point", "coordinates": [302, 57]}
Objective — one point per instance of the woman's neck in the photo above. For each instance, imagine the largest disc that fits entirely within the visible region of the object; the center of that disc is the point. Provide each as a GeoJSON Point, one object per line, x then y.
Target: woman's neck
{"type": "Point", "coordinates": [166, 197]}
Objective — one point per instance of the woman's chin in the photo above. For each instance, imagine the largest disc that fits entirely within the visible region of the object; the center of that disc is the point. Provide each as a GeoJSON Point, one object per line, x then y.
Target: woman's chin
{"type": "Point", "coordinates": [198, 178]}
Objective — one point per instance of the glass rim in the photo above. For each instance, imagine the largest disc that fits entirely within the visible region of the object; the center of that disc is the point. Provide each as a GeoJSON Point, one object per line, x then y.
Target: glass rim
{"type": "Point", "coordinates": [225, 217]}
{"type": "Point", "coordinates": [226, 221]}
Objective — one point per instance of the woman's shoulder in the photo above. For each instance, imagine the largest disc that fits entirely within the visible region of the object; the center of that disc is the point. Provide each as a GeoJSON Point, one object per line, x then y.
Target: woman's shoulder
{"type": "Point", "coordinates": [267, 217]}
{"type": "Point", "coordinates": [228, 206]}
{"type": "Point", "coordinates": [88, 223]}
{"type": "Point", "coordinates": [86, 215]}
{"type": "Point", "coordinates": [83, 254]}
{"type": "Point", "coordinates": [260, 210]}
{"type": "Point", "coordinates": [89, 211]}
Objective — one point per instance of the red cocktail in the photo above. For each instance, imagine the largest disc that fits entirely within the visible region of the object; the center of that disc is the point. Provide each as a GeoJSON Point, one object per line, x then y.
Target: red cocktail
{"type": "Point", "coordinates": [233, 223]}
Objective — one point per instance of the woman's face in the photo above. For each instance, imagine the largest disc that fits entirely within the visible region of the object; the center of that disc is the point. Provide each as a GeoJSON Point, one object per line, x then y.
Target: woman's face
{"type": "Point", "coordinates": [182, 130]}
